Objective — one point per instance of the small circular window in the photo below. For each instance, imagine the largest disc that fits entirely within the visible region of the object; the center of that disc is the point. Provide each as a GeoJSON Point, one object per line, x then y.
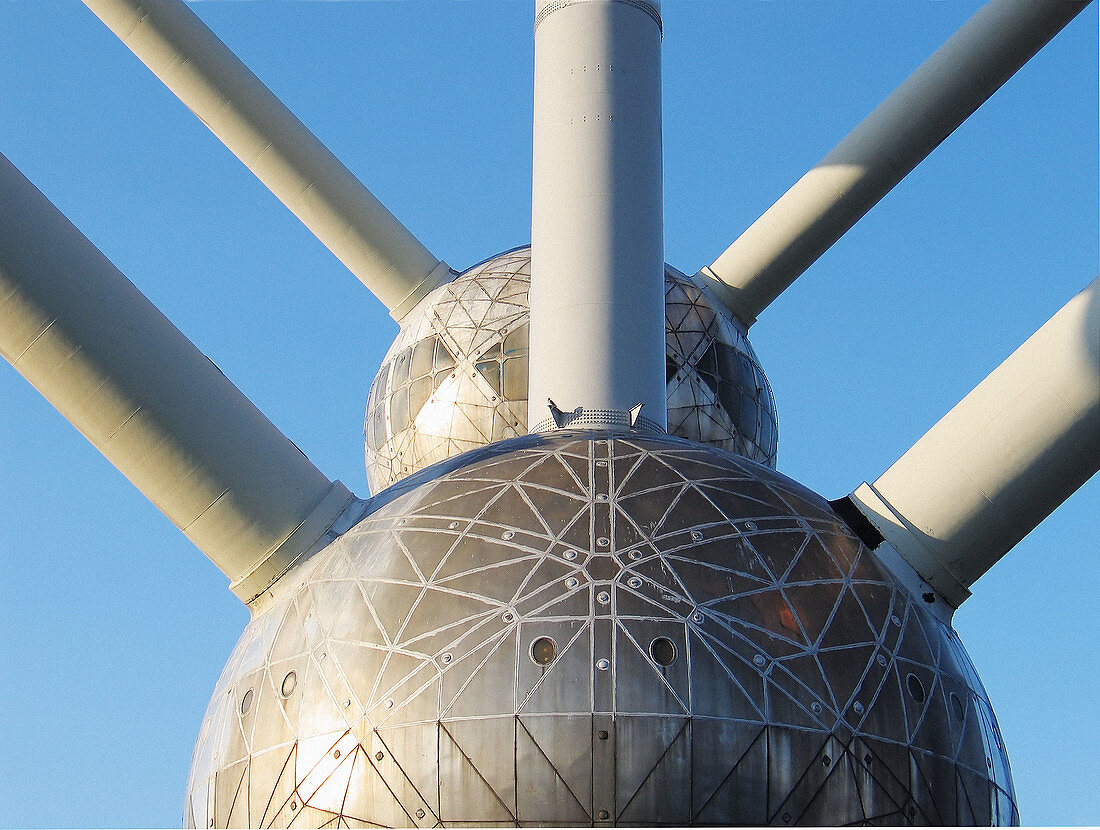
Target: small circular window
{"type": "Point", "coordinates": [543, 651]}
{"type": "Point", "coordinates": [246, 702]}
{"type": "Point", "coordinates": [916, 688]}
{"type": "Point", "coordinates": [663, 651]}
{"type": "Point", "coordinates": [290, 683]}
{"type": "Point", "coordinates": [957, 706]}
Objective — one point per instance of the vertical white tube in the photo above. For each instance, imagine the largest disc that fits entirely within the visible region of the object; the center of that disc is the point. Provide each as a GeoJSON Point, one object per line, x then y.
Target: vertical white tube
{"type": "Point", "coordinates": [597, 226]}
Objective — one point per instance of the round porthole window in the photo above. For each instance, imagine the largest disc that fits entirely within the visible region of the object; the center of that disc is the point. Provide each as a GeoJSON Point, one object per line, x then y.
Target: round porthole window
{"type": "Point", "coordinates": [246, 702]}
{"type": "Point", "coordinates": [543, 651]}
{"type": "Point", "coordinates": [916, 688]}
{"type": "Point", "coordinates": [957, 706]}
{"type": "Point", "coordinates": [290, 683]}
{"type": "Point", "coordinates": [663, 651]}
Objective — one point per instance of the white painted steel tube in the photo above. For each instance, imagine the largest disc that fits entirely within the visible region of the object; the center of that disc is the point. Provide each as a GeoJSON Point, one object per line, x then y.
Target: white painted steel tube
{"type": "Point", "coordinates": [150, 401]}
{"type": "Point", "coordinates": [597, 228]}
{"type": "Point", "coordinates": [1002, 460]}
{"type": "Point", "coordinates": [283, 154]}
{"type": "Point", "coordinates": [942, 93]}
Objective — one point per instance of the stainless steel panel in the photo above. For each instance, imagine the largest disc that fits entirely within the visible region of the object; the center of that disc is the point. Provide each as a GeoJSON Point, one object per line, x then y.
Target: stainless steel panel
{"type": "Point", "coordinates": [456, 376]}
{"type": "Point", "coordinates": [738, 657]}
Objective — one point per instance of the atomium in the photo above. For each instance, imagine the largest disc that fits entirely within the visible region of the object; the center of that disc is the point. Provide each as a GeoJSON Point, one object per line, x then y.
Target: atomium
{"type": "Point", "coordinates": [576, 628]}
{"type": "Point", "coordinates": [572, 628]}
{"type": "Point", "coordinates": [456, 376]}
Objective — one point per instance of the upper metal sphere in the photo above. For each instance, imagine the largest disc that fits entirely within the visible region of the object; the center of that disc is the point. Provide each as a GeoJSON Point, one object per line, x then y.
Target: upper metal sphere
{"type": "Point", "coordinates": [456, 376]}
{"type": "Point", "coordinates": [584, 628]}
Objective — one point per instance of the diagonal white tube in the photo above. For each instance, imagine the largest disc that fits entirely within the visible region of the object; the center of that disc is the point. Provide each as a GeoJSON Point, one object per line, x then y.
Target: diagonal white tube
{"type": "Point", "coordinates": [1002, 460]}
{"type": "Point", "coordinates": [597, 228]}
{"type": "Point", "coordinates": [917, 116]}
{"type": "Point", "coordinates": [151, 402]}
{"type": "Point", "coordinates": [282, 153]}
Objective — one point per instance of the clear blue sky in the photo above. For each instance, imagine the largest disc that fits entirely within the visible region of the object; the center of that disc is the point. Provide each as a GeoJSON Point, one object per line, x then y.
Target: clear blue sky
{"type": "Point", "coordinates": [113, 628]}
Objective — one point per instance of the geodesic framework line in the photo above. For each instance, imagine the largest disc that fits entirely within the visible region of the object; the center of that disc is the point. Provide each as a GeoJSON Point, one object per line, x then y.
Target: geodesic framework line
{"type": "Point", "coordinates": [279, 150]}
{"type": "Point", "coordinates": [898, 134]}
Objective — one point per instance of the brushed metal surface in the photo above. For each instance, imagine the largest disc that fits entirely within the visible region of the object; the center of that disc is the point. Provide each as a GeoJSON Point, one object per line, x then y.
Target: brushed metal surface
{"type": "Point", "coordinates": [808, 686]}
{"type": "Point", "coordinates": [456, 376]}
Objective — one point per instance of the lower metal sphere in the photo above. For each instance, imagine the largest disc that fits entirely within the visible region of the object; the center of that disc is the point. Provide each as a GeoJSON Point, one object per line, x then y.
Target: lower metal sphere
{"type": "Point", "coordinates": [583, 628]}
{"type": "Point", "coordinates": [456, 376]}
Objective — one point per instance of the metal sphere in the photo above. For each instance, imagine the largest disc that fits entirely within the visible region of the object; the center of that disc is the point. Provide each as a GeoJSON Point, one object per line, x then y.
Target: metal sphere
{"type": "Point", "coordinates": [584, 628]}
{"type": "Point", "coordinates": [456, 376]}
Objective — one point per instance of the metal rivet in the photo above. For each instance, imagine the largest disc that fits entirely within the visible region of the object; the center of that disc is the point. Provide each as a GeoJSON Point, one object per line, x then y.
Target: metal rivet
{"type": "Point", "coordinates": [750, 525]}
{"type": "Point", "coordinates": [335, 753]}
{"type": "Point", "coordinates": [634, 582]}
{"type": "Point", "coordinates": [881, 659]}
{"type": "Point", "coordinates": [389, 703]}
{"type": "Point", "coordinates": [696, 536]}
{"type": "Point", "coordinates": [446, 657]}
{"type": "Point", "coordinates": [293, 805]}
{"type": "Point", "coordinates": [858, 707]}
{"type": "Point", "coordinates": [603, 664]}
{"type": "Point", "coordinates": [570, 555]}
{"type": "Point", "coordinates": [508, 534]}
{"type": "Point", "coordinates": [603, 735]}
{"type": "Point", "coordinates": [759, 660]}
{"type": "Point", "coordinates": [604, 815]}
{"type": "Point", "coordinates": [635, 554]}
{"type": "Point", "coordinates": [420, 814]}
{"type": "Point", "coordinates": [815, 707]}
{"type": "Point", "coordinates": [572, 582]}
{"type": "Point", "coordinates": [508, 616]}
{"type": "Point", "coordinates": [379, 755]}
{"type": "Point", "coordinates": [696, 617]}
{"type": "Point", "coordinates": [603, 598]}
{"type": "Point", "coordinates": [453, 525]}
{"type": "Point", "coordinates": [603, 541]}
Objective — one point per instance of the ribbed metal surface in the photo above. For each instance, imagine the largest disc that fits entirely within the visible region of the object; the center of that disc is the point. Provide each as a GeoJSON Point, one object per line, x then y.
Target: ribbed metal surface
{"type": "Point", "coordinates": [591, 629]}
{"type": "Point", "coordinates": [456, 376]}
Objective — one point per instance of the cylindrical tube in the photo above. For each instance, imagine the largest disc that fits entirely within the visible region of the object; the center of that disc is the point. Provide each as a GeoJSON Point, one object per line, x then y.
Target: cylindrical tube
{"type": "Point", "coordinates": [597, 248]}
{"type": "Point", "coordinates": [246, 116]}
{"type": "Point", "coordinates": [150, 401]}
{"type": "Point", "coordinates": [1002, 460]}
{"type": "Point", "coordinates": [917, 116]}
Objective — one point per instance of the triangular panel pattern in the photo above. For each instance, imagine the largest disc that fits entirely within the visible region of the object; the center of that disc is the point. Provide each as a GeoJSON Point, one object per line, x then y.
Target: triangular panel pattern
{"type": "Point", "coordinates": [574, 624]}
